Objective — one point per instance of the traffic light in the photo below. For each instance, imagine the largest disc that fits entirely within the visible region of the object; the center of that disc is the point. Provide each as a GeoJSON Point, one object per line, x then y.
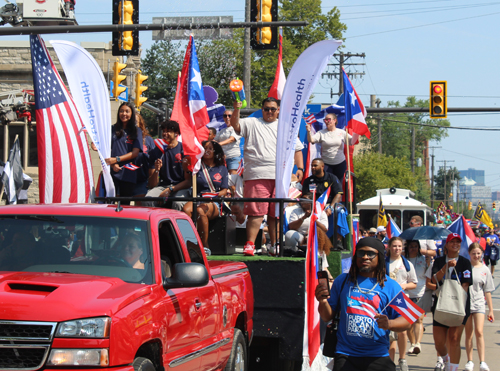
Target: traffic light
{"type": "Point", "coordinates": [264, 38]}
{"type": "Point", "coordinates": [438, 108]}
{"type": "Point", "coordinates": [494, 205]}
{"type": "Point", "coordinates": [117, 78]}
{"type": "Point", "coordinates": [126, 12]}
{"type": "Point", "coordinates": [469, 207]}
{"type": "Point", "coordinates": [139, 89]}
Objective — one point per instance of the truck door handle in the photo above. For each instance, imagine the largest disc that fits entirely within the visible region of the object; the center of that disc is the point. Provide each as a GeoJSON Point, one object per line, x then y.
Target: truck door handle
{"type": "Point", "coordinates": [197, 304]}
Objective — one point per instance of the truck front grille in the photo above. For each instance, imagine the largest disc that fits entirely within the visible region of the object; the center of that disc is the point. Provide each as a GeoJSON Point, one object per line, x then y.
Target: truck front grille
{"type": "Point", "coordinates": [25, 345]}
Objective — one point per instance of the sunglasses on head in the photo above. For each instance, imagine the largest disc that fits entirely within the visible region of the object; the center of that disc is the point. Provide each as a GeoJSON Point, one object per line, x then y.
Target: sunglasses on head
{"type": "Point", "coordinates": [267, 109]}
{"type": "Point", "coordinates": [226, 115]}
{"type": "Point", "coordinates": [371, 254]}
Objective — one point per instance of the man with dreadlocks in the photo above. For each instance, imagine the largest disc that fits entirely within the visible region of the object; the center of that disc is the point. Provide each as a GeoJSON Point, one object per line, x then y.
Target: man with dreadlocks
{"type": "Point", "coordinates": [365, 319]}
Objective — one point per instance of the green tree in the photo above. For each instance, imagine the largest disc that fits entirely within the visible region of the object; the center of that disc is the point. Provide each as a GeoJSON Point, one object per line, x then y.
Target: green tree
{"type": "Point", "coordinates": [377, 171]}
{"type": "Point", "coordinates": [450, 176]}
{"type": "Point", "coordinates": [397, 130]}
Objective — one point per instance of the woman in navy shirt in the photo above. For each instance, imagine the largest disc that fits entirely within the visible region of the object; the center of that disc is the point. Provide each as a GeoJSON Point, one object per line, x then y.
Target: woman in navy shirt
{"type": "Point", "coordinates": [142, 160]}
{"type": "Point", "coordinates": [212, 178]}
{"type": "Point", "coordinates": [126, 144]}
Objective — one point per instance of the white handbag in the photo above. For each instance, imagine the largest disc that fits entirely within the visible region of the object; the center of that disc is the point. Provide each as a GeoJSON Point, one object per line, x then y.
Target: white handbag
{"type": "Point", "coordinates": [452, 298]}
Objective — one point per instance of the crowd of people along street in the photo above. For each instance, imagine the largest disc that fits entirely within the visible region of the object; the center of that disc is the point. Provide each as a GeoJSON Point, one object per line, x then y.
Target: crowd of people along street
{"type": "Point", "coordinates": [381, 267]}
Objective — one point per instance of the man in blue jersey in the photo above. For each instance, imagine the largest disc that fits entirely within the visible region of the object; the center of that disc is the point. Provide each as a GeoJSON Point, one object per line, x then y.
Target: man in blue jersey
{"type": "Point", "coordinates": [365, 319]}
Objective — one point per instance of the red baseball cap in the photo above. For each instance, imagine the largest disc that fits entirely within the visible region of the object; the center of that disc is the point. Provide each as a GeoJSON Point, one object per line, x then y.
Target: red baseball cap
{"type": "Point", "coordinates": [452, 236]}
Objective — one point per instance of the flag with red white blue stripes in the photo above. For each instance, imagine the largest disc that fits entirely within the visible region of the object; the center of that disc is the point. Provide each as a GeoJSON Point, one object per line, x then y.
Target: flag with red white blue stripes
{"type": "Point", "coordinates": [131, 166]}
{"type": "Point", "coordinates": [64, 165]}
{"type": "Point", "coordinates": [406, 307]}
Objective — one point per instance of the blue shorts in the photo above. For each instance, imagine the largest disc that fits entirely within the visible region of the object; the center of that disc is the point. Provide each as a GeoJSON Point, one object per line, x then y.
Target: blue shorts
{"type": "Point", "coordinates": [233, 163]}
{"type": "Point", "coordinates": [141, 188]}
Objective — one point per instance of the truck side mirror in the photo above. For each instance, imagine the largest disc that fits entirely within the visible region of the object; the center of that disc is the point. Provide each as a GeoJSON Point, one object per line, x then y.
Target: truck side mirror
{"type": "Point", "coordinates": [186, 275]}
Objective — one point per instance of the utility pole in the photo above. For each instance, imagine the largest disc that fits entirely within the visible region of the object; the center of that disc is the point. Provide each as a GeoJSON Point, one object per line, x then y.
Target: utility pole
{"type": "Point", "coordinates": [375, 101]}
{"type": "Point", "coordinates": [413, 149]}
{"type": "Point", "coordinates": [342, 58]}
{"type": "Point", "coordinates": [432, 176]}
{"type": "Point", "coordinates": [445, 193]}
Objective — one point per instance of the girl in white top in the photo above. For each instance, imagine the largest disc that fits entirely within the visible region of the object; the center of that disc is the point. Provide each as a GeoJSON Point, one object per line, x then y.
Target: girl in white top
{"type": "Point", "coordinates": [415, 257]}
{"type": "Point", "coordinates": [482, 287]}
{"type": "Point", "coordinates": [407, 278]}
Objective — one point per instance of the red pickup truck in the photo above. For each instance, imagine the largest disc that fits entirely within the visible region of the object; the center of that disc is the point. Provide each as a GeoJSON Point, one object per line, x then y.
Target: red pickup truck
{"type": "Point", "coordinates": [101, 287]}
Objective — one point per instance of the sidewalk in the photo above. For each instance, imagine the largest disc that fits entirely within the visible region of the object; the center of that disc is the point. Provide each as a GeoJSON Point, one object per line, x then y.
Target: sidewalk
{"type": "Point", "coordinates": [426, 361]}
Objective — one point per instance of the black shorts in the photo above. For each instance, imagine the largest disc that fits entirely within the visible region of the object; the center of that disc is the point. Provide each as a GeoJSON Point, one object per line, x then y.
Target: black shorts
{"type": "Point", "coordinates": [348, 363]}
{"type": "Point", "coordinates": [487, 261]}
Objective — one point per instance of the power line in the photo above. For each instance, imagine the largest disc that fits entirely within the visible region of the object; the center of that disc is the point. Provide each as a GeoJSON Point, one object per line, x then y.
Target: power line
{"type": "Point", "coordinates": [440, 127]}
{"type": "Point", "coordinates": [423, 25]}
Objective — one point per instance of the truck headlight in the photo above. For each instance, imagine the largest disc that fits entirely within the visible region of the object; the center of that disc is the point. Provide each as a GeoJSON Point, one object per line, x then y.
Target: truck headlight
{"type": "Point", "coordinates": [78, 357]}
{"type": "Point", "coordinates": [85, 328]}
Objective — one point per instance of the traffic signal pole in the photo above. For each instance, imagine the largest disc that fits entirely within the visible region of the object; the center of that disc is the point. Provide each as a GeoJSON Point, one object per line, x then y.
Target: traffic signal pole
{"type": "Point", "coordinates": [38, 30]}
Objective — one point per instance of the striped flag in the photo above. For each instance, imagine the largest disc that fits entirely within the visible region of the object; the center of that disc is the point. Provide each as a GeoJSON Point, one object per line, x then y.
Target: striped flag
{"type": "Point", "coordinates": [407, 308]}
{"type": "Point", "coordinates": [12, 177]}
{"type": "Point", "coordinates": [276, 90]}
{"type": "Point", "coordinates": [392, 228]}
{"type": "Point", "coordinates": [190, 108]}
{"type": "Point", "coordinates": [312, 339]}
{"type": "Point", "coordinates": [161, 144]}
{"type": "Point", "coordinates": [481, 215]}
{"type": "Point", "coordinates": [461, 227]}
{"type": "Point", "coordinates": [65, 169]}
{"type": "Point", "coordinates": [131, 166]}
{"type": "Point", "coordinates": [382, 218]}
{"type": "Point", "coordinates": [241, 168]}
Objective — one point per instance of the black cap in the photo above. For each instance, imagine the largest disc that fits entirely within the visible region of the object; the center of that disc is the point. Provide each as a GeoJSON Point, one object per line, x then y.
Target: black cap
{"type": "Point", "coordinates": [371, 242]}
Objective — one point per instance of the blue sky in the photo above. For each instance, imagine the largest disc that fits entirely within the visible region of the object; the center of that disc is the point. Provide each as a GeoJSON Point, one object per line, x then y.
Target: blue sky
{"type": "Point", "coordinates": [407, 44]}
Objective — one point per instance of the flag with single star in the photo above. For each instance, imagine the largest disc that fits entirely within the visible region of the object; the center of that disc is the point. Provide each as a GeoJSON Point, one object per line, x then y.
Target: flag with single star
{"type": "Point", "coordinates": [190, 108]}
{"type": "Point", "coordinates": [64, 165]}
{"type": "Point", "coordinates": [355, 111]}
{"type": "Point", "coordinates": [407, 308]}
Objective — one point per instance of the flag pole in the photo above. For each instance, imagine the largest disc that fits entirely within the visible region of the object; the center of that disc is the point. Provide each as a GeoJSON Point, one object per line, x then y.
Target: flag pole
{"type": "Point", "coordinates": [351, 227]}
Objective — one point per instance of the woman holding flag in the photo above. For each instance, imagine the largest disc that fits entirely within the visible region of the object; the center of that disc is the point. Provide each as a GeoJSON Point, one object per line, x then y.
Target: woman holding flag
{"type": "Point", "coordinates": [332, 145]}
{"type": "Point", "coordinates": [211, 181]}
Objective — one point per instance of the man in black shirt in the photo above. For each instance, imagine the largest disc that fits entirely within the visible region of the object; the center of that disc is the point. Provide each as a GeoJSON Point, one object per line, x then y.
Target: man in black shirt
{"type": "Point", "coordinates": [323, 180]}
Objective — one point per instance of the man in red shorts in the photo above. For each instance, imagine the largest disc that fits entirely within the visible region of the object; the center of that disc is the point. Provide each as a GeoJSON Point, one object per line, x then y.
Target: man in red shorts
{"type": "Point", "coordinates": [260, 162]}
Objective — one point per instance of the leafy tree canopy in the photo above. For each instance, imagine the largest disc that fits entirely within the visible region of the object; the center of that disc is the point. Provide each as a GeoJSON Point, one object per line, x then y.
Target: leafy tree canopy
{"type": "Point", "coordinates": [377, 171]}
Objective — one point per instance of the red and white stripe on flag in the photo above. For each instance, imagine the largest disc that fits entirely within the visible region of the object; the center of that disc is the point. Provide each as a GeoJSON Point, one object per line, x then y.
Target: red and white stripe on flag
{"type": "Point", "coordinates": [406, 307]}
{"type": "Point", "coordinates": [65, 168]}
{"type": "Point", "coordinates": [278, 86]}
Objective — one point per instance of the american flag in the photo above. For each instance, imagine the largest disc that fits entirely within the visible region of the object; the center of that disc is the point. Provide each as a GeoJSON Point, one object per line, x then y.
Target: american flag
{"type": "Point", "coordinates": [64, 166]}
{"type": "Point", "coordinates": [241, 168]}
{"type": "Point", "coordinates": [190, 108]}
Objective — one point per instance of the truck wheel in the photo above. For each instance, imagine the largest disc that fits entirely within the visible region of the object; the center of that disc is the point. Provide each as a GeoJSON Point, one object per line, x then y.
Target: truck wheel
{"type": "Point", "coordinates": [143, 364]}
{"type": "Point", "coordinates": [238, 358]}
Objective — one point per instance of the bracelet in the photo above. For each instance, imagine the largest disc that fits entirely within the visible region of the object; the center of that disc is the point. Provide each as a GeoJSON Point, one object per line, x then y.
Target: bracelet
{"type": "Point", "coordinates": [301, 169]}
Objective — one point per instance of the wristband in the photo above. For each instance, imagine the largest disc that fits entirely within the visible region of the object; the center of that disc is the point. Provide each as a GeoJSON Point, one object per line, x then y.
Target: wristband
{"type": "Point", "coordinates": [117, 159]}
{"type": "Point", "coordinates": [301, 169]}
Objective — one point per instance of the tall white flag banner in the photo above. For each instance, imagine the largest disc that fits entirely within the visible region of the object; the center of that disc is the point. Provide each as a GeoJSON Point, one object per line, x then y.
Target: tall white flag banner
{"type": "Point", "coordinates": [91, 96]}
{"type": "Point", "coordinates": [300, 83]}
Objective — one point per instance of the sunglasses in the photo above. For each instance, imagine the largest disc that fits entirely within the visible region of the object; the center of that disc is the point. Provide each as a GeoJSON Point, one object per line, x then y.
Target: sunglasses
{"type": "Point", "coordinates": [226, 116]}
{"type": "Point", "coordinates": [272, 109]}
{"type": "Point", "coordinates": [327, 120]}
{"type": "Point", "coordinates": [371, 254]}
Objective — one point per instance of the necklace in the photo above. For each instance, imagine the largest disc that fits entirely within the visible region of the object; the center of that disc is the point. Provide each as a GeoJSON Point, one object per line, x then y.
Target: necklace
{"type": "Point", "coordinates": [365, 291]}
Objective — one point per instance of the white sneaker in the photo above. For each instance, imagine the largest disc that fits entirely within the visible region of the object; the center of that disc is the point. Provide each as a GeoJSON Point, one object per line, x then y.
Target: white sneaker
{"type": "Point", "coordinates": [412, 348]}
{"type": "Point", "coordinates": [439, 366]}
{"type": "Point", "coordinates": [483, 367]}
{"type": "Point", "coordinates": [469, 366]}
{"type": "Point", "coordinates": [263, 250]}
{"type": "Point", "coordinates": [272, 250]}
{"type": "Point", "coordinates": [417, 349]}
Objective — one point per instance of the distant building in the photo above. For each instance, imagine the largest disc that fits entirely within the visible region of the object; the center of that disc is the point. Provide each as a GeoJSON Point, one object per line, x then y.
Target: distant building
{"type": "Point", "coordinates": [475, 175]}
{"type": "Point", "coordinates": [469, 190]}
{"type": "Point", "coordinates": [495, 196]}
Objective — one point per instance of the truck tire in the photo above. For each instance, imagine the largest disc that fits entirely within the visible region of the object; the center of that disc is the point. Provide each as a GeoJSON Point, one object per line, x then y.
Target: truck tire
{"type": "Point", "coordinates": [143, 364]}
{"type": "Point", "coordinates": [238, 358]}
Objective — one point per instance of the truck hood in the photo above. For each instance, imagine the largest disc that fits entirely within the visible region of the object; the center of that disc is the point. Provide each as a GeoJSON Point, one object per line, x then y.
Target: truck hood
{"type": "Point", "coordinates": [55, 297]}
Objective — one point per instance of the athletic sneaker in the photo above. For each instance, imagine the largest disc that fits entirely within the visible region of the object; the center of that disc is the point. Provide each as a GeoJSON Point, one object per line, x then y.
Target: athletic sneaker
{"type": "Point", "coordinates": [469, 366]}
{"type": "Point", "coordinates": [483, 367]}
{"type": "Point", "coordinates": [439, 366]}
{"type": "Point", "coordinates": [249, 249]}
{"type": "Point", "coordinates": [412, 348]}
{"type": "Point", "coordinates": [272, 250]}
{"type": "Point", "coordinates": [403, 366]}
{"type": "Point", "coordinates": [417, 349]}
{"type": "Point", "coordinates": [263, 250]}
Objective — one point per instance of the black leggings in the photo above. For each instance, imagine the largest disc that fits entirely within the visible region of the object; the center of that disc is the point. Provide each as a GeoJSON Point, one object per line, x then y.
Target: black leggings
{"type": "Point", "coordinates": [348, 363]}
{"type": "Point", "coordinates": [337, 170]}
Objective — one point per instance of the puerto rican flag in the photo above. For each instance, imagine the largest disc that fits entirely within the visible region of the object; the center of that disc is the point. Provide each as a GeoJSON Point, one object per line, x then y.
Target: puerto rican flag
{"type": "Point", "coordinates": [464, 230]}
{"type": "Point", "coordinates": [355, 111]}
{"type": "Point", "coordinates": [131, 166]}
{"type": "Point", "coordinates": [392, 228]}
{"type": "Point", "coordinates": [276, 90]}
{"type": "Point", "coordinates": [64, 165]}
{"type": "Point", "coordinates": [190, 108]}
{"type": "Point", "coordinates": [321, 202]}
{"type": "Point", "coordinates": [241, 168]}
{"type": "Point", "coordinates": [161, 144]}
{"type": "Point", "coordinates": [312, 338]}
{"type": "Point", "coordinates": [359, 304]}
{"type": "Point", "coordinates": [407, 308]}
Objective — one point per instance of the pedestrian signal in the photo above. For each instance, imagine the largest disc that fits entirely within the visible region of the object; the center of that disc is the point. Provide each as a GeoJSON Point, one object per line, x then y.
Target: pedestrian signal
{"type": "Point", "coordinates": [264, 38]}
{"type": "Point", "coordinates": [117, 78]}
{"type": "Point", "coordinates": [438, 108]}
{"type": "Point", "coordinates": [126, 12]}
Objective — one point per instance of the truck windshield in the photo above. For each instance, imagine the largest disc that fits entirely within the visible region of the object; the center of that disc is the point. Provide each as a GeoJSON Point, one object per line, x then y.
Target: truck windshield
{"type": "Point", "coordinates": [108, 247]}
